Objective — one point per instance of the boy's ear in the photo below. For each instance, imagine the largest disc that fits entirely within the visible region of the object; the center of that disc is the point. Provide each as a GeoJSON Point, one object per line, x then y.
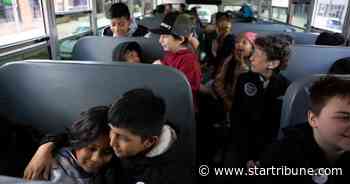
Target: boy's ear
{"type": "Point", "coordinates": [311, 117]}
{"type": "Point", "coordinates": [182, 38]}
{"type": "Point", "coordinates": [150, 141]}
{"type": "Point", "coordinates": [273, 64]}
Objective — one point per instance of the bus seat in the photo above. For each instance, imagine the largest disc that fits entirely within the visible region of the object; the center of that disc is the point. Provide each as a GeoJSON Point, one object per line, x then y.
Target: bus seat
{"type": "Point", "coordinates": [300, 38]}
{"type": "Point", "coordinates": [13, 180]}
{"type": "Point", "coordinates": [151, 22]}
{"type": "Point", "coordinates": [306, 60]}
{"type": "Point", "coordinates": [245, 27]}
{"type": "Point", "coordinates": [304, 38]}
{"type": "Point", "coordinates": [51, 94]}
{"type": "Point", "coordinates": [94, 48]}
{"type": "Point", "coordinates": [296, 102]}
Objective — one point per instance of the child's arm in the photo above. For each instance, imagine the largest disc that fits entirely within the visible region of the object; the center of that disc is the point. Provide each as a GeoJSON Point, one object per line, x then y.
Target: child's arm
{"type": "Point", "coordinates": [40, 165]}
{"type": "Point", "coordinates": [42, 161]}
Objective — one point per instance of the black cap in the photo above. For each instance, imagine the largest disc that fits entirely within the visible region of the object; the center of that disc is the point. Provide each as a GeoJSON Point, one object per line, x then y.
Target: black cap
{"type": "Point", "coordinates": [176, 24]}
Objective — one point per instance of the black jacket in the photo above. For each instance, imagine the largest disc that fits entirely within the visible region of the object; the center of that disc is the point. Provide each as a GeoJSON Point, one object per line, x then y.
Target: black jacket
{"type": "Point", "coordinates": [255, 114]}
{"type": "Point", "coordinates": [164, 169]}
{"type": "Point", "coordinates": [299, 150]}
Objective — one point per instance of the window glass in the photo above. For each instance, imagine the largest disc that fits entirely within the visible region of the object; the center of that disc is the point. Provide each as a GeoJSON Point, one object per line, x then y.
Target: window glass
{"type": "Point", "coordinates": [73, 24]}
{"type": "Point", "coordinates": [135, 7]}
{"type": "Point", "coordinates": [280, 10]}
{"type": "Point", "coordinates": [205, 12]}
{"type": "Point", "coordinates": [299, 14]}
{"type": "Point", "coordinates": [232, 8]}
{"type": "Point", "coordinates": [20, 20]}
{"type": "Point", "coordinates": [71, 5]}
{"type": "Point", "coordinates": [68, 26]}
{"type": "Point", "coordinates": [265, 10]}
{"type": "Point", "coordinates": [149, 7]}
{"type": "Point", "coordinates": [279, 14]}
{"type": "Point", "coordinates": [330, 14]}
{"type": "Point", "coordinates": [102, 11]}
{"type": "Point", "coordinates": [280, 3]}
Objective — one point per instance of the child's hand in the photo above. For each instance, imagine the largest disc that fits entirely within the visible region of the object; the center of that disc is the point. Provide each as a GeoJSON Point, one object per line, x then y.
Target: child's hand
{"type": "Point", "coordinates": [40, 165]}
{"type": "Point", "coordinates": [157, 62]}
{"type": "Point", "coordinates": [193, 41]}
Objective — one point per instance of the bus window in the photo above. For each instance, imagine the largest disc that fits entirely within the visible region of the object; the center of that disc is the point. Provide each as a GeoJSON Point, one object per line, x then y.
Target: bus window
{"type": "Point", "coordinates": [330, 15]}
{"type": "Point", "coordinates": [232, 8]}
{"type": "Point", "coordinates": [102, 11]}
{"type": "Point", "coordinates": [135, 7]}
{"type": "Point", "coordinates": [20, 21]}
{"type": "Point", "coordinates": [72, 18]}
{"type": "Point", "coordinates": [299, 14]}
{"type": "Point", "coordinates": [205, 12]}
{"type": "Point", "coordinates": [149, 7]}
{"type": "Point", "coordinates": [71, 5]}
{"type": "Point", "coordinates": [280, 10]}
{"type": "Point", "coordinates": [71, 25]}
{"type": "Point", "coordinates": [264, 14]}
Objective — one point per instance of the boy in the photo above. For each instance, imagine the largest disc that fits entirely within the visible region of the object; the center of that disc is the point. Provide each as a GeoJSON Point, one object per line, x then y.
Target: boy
{"type": "Point", "coordinates": [146, 147]}
{"type": "Point", "coordinates": [323, 142]}
{"type": "Point", "coordinates": [255, 123]}
{"type": "Point", "coordinates": [176, 33]}
{"type": "Point", "coordinates": [131, 52]}
{"type": "Point", "coordinates": [122, 24]}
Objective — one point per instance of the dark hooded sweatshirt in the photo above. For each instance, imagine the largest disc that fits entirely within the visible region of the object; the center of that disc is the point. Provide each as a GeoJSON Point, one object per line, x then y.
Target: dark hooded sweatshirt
{"type": "Point", "coordinates": [164, 168]}
{"type": "Point", "coordinates": [300, 150]}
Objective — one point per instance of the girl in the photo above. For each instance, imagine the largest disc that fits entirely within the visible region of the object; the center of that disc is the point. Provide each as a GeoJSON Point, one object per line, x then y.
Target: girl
{"type": "Point", "coordinates": [88, 149]}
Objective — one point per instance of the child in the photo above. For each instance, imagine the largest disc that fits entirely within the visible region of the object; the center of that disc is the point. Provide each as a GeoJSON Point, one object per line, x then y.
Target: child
{"type": "Point", "coordinates": [131, 52]}
{"type": "Point", "coordinates": [223, 45]}
{"type": "Point", "coordinates": [234, 65]}
{"type": "Point", "coordinates": [255, 124]}
{"type": "Point", "coordinates": [146, 147]}
{"type": "Point", "coordinates": [323, 142]}
{"type": "Point", "coordinates": [87, 151]}
{"type": "Point", "coordinates": [122, 24]}
{"type": "Point", "coordinates": [175, 33]}
{"type": "Point", "coordinates": [216, 99]}
{"type": "Point", "coordinates": [220, 91]}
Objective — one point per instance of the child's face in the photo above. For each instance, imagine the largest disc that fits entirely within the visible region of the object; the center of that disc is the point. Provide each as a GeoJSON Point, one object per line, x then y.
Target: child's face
{"type": "Point", "coordinates": [169, 43]}
{"type": "Point", "coordinates": [94, 156]}
{"type": "Point", "coordinates": [243, 48]}
{"type": "Point", "coordinates": [126, 144]}
{"type": "Point", "coordinates": [259, 62]}
{"type": "Point", "coordinates": [224, 27]}
{"type": "Point", "coordinates": [132, 57]}
{"type": "Point", "coordinates": [120, 26]}
{"type": "Point", "coordinates": [332, 125]}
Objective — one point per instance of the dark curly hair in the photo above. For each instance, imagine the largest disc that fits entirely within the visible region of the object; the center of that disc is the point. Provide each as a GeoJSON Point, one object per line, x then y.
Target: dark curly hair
{"type": "Point", "coordinates": [140, 111]}
{"type": "Point", "coordinates": [118, 10]}
{"type": "Point", "coordinates": [333, 39]}
{"type": "Point", "coordinates": [276, 48]}
{"type": "Point", "coordinates": [89, 127]}
{"type": "Point", "coordinates": [325, 89]}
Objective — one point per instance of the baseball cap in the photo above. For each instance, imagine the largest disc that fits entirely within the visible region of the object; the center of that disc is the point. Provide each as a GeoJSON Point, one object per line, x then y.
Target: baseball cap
{"type": "Point", "coordinates": [176, 24]}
